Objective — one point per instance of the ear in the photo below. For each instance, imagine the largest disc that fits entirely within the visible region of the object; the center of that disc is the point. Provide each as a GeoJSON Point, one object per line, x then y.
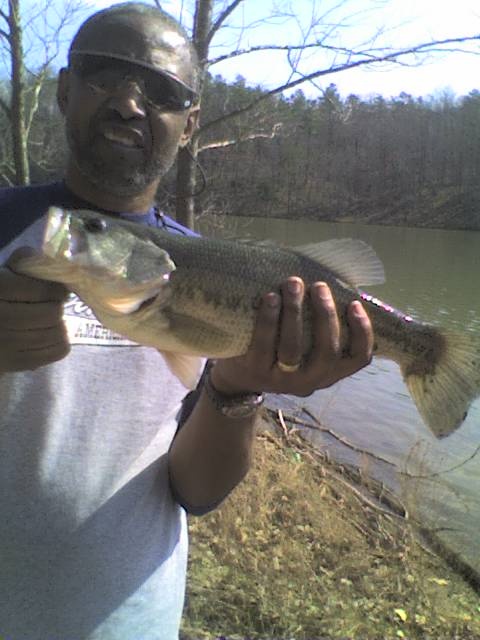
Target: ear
{"type": "Point", "coordinates": [191, 125]}
{"type": "Point", "coordinates": [62, 90]}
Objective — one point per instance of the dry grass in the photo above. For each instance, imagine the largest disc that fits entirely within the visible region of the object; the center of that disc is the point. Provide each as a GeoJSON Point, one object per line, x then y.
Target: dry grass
{"type": "Point", "coordinates": [297, 553]}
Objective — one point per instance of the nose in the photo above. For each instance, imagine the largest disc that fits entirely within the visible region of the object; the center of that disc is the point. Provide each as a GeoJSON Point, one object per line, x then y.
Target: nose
{"type": "Point", "coordinates": [128, 100]}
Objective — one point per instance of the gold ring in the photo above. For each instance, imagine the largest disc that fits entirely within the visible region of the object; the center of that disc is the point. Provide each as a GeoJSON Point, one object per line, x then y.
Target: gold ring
{"type": "Point", "coordinates": [288, 368]}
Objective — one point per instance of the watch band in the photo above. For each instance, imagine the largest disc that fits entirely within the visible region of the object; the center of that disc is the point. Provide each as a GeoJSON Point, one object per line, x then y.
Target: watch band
{"type": "Point", "coordinates": [242, 405]}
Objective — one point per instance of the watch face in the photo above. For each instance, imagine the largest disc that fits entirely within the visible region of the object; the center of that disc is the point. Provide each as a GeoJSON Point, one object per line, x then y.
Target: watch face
{"type": "Point", "coordinates": [240, 406]}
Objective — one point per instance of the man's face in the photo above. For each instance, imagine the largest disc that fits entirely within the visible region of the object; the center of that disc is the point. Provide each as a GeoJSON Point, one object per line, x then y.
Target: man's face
{"type": "Point", "coordinates": [124, 124]}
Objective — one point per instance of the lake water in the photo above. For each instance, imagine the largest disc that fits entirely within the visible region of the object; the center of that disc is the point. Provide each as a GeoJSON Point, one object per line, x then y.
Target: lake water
{"type": "Point", "coordinates": [433, 275]}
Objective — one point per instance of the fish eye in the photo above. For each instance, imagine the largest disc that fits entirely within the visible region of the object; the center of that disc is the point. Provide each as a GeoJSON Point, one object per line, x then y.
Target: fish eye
{"type": "Point", "coordinates": [95, 225]}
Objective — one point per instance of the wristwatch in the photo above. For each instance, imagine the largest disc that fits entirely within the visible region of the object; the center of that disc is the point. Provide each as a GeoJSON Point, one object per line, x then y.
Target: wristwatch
{"type": "Point", "coordinates": [242, 405]}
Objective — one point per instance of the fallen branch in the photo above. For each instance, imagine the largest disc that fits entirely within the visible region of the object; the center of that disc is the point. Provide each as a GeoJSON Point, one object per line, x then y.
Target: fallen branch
{"type": "Point", "coordinates": [349, 478]}
{"type": "Point", "coordinates": [319, 427]}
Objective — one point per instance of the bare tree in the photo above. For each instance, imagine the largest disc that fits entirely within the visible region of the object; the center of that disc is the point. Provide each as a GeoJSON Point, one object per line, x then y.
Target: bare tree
{"type": "Point", "coordinates": [34, 35]}
{"type": "Point", "coordinates": [323, 46]}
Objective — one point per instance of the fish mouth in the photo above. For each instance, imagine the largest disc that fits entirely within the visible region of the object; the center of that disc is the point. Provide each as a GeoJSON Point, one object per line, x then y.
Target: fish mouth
{"type": "Point", "coordinates": [57, 235]}
{"type": "Point", "coordinates": [110, 283]}
{"type": "Point", "coordinates": [146, 304]}
{"type": "Point", "coordinates": [140, 302]}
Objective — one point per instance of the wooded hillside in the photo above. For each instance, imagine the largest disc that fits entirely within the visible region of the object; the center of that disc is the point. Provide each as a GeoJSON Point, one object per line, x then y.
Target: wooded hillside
{"type": "Point", "coordinates": [402, 161]}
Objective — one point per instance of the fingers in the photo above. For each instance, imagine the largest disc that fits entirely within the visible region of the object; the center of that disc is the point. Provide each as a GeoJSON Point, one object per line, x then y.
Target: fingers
{"type": "Point", "coordinates": [29, 357]}
{"type": "Point", "coordinates": [32, 331]}
{"type": "Point", "coordinates": [326, 326]}
{"type": "Point", "coordinates": [280, 338]}
{"type": "Point", "coordinates": [361, 335]}
{"type": "Point", "coordinates": [290, 343]}
{"type": "Point", "coordinates": [326, 363]}
{"type": "Point", "coordinates": [17, 316]}
{"type": "Point", "coordinates": [28, 349]}
{"type": "Point", "coordinates": [358, 351]}
{"type": "Point", "coordinates": [263, 346]}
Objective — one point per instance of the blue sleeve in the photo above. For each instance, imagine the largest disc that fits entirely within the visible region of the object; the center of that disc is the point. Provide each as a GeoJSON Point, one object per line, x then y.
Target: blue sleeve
{"type": "Point", "coordinates": [20, 207]}
{"type": "Point", "coordinates": [175, 227]}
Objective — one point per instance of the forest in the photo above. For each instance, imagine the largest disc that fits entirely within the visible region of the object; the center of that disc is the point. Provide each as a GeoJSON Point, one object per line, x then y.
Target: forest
{"type": "Point", "coordinates": [401, 161]}
{"type": "Point", "coordinates": [298, 149]}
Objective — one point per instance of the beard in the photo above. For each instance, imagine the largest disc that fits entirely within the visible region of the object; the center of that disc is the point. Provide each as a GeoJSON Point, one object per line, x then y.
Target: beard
{"type": "Point", "coordinates": [120, 175]}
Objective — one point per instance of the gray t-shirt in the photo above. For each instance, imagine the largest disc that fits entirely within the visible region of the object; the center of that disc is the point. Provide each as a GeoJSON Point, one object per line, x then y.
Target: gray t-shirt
{"type": "Point", "coordinates": [92, 544]}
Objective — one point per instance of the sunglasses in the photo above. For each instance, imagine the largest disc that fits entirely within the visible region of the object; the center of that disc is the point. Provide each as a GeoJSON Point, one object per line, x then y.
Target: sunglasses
{"type": "Point", "coordinates": [106, 75]}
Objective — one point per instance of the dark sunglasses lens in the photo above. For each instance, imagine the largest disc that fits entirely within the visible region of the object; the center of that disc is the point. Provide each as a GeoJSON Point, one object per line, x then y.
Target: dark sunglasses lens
{"type": "Point", "coordinates": [163, 92]}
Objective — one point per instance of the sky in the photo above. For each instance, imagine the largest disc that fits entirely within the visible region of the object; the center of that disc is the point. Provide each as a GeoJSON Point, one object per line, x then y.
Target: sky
{"type": "Point", "coordinates": [396, 23]}
{"type": "Point", "coordinates": [404, 22]}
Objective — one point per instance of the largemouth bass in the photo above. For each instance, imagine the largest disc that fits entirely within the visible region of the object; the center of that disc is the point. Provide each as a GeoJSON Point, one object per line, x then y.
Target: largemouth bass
{"type": "Point", "coordinates": [190, 297]}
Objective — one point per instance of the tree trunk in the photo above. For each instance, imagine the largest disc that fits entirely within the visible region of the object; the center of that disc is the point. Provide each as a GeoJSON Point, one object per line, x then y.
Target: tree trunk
{"type": "Point", "coordinates": [17, 113]}
{"type": "Point", "coordinates": [186, 164]}
{"type": "Point", "coordinates": [185, 185]}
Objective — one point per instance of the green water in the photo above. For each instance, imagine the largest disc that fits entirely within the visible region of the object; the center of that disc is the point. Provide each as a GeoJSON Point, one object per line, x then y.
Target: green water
{"type": "Point", "coordinates": [434, 276]}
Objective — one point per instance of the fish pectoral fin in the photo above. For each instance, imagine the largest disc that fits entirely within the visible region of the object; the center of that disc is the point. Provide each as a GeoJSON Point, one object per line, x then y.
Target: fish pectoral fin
{"type": "Point", "coordinates": [443, 396]}
{"type": "Point", "coordinates": [186, 368]}
{"type": "Point", "coordinates": [352, 261]}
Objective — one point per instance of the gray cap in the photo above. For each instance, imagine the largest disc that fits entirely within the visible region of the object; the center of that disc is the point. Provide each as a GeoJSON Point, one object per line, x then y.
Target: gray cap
{"type": "Point", "coordinates": [141, 34]}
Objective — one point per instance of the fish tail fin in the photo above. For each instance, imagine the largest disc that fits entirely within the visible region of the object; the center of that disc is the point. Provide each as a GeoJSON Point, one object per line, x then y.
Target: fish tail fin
{"type": "Point", "coordinates": [444, 392]}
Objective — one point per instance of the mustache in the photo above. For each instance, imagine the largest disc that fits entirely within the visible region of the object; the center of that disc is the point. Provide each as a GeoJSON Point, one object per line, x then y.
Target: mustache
{"type": "Point", "coordinates": [110, 117]}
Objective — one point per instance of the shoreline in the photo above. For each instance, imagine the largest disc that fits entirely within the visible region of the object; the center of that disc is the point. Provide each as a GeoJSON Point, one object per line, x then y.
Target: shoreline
{"type": "Point", "coordinates": [303, 549]}
{"type": "Point", "coordinates": [372, 488]}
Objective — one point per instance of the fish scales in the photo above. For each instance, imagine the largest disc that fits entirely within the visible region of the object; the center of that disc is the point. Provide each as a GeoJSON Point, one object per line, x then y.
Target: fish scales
{"type": "Point", "coordinates": [272, 265]}
{"type": "Point", "coordinates": [233, 283]}
{"type": "Point", "coordinates": [191, 297]}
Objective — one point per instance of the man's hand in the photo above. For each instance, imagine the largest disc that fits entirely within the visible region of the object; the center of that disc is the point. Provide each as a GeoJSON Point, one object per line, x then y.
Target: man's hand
{"type": "Point", "coordinates": [278, 338]}
{"type": "Point", "coordinates": [32, 332]}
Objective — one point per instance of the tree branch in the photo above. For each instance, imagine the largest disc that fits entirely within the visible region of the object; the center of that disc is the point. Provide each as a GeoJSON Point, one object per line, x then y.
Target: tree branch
{"type": "Point", "coordinates": [37, 87]}
{"type": "Point", "coordinates": [221, 19]}
{"type": "Point", "coordinates": [425, 47]}
{"type": "Point", "coordinates": [221, 144]}
{"type": "Point", "coordinates": [265, 47]}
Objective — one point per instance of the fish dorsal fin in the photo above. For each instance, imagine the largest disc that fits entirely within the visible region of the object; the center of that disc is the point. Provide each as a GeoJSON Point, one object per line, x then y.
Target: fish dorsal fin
{"type": "Point", "coordinates": [352, 261]}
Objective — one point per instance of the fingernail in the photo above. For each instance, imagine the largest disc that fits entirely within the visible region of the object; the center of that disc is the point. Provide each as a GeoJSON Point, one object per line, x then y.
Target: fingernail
{"type": "Point", "coordinates": [273, 300]}
{"type": "Point", "coordinates": [357, 308]}
{"type": "Point", "coordinates": [294, 286]}
{"type": "Point", "coordinates": [321, 289]}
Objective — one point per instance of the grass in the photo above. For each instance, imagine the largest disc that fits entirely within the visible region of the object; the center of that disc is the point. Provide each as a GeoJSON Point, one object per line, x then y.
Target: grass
{"type": "Point", "coordinates": [297, 551]}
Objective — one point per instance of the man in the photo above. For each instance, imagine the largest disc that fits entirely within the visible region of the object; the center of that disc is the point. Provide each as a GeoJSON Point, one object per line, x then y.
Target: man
{"type": "Point", "coordinates": [94, 477]}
